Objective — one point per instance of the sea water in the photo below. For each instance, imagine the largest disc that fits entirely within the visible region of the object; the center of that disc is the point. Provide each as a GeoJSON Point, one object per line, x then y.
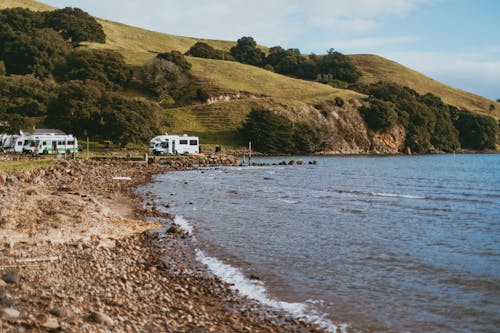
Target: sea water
{"type": "Point", "coordinates": [363, 244]}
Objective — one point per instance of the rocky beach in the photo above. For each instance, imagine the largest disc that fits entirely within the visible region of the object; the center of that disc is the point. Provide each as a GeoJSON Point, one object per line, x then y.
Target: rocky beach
{"type": "Point", "coordinates": [82, 252]}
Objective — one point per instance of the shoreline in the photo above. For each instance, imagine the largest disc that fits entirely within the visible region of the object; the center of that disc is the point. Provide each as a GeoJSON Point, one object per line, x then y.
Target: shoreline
{"type": "Point", "coordinates": [82, 256]}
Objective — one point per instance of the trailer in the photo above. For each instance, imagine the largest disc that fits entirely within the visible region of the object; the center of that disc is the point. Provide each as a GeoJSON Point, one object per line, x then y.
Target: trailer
{"type": "Point", "coordinates": [174, 145]}
{"type": "Point", "coordinates": [51, 144]}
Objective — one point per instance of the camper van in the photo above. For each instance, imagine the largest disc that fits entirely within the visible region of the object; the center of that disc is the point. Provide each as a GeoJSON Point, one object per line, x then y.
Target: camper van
{"type": "Point", "coordinates": [51, 144]}
{"type": "Point", "coordinates": [174, 145]}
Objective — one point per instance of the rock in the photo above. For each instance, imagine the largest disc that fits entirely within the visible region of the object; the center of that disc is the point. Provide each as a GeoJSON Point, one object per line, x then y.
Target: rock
{"type": "Point", "coordinates": [51, 323]}
{"type": "Point", "coordinates": [173, 230]}
{"type": "Point", "coordinates": [101, 318]}
{"type": "Point", "coordinates": [62, 312]}
{"type": "Point", "coordinates": [12, 277]}
{"type": "Point", "coordinates": [9, 313]}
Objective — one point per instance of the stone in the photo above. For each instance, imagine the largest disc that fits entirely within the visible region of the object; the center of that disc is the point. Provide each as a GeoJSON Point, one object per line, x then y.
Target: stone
{"type": "Point", "coordinates": [12, 277]}
{"type": "Point", "coordinates": [51, 323]}
{"type": "Point", "coordinates": [62, 312]}
{"type": "Point", "coordinates": [102, 318]}
{"type": "Point", "coordinates": [9, 313]}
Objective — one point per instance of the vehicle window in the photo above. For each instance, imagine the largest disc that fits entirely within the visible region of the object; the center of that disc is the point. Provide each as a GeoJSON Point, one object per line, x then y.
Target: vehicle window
{"type": "Point", "coordinates": [193, 142]}
{"type": "Point", "coordinates": [19, 143]}
{"type": "Point", "coordinates": [183, 142]}
{"type": "Point", "coordinates": [71, 142]}
{"type": "Point", "coordinates": [44, 143]}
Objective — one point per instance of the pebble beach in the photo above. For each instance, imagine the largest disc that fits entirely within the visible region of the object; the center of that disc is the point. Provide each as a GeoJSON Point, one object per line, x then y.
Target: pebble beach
{"type": "Point", "coordinates": [80, 251]}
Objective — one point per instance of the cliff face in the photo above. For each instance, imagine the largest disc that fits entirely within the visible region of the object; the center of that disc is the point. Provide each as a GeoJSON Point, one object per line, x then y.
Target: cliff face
{"type": "Point", "coordinates": [342, 130]}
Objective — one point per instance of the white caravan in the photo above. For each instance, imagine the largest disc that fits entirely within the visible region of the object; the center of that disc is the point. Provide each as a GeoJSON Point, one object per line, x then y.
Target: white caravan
{"type": "Point", "coordinates": [51, 144]}
{"type": "Point", "coordinates": [174, 145]}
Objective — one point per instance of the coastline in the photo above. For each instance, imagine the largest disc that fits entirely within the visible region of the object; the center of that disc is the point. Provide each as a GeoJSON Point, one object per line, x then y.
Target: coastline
{"type": "Point", "coordinates": [81, 252]}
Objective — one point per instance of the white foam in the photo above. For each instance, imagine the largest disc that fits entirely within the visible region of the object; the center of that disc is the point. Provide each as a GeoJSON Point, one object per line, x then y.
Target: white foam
{"type": "Point", "coordinates": [393, 195]}
{"type": "Point", "coordinates": [289, 201]}
{"type": "Point", "coordinates": [184, 224]}
{"type": "Point", "coordinates": [256, 290]}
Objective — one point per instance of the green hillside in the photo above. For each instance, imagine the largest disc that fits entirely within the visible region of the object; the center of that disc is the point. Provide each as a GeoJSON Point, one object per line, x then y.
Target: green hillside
{"type": "Point", "coordinates": [240, 87]}
{"type": "Point", "coordinates": [376, 69]}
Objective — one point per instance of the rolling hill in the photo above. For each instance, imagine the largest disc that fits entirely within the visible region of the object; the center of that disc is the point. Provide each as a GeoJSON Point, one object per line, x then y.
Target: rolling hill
{"type": "Point", "coordinates": [236, 88]}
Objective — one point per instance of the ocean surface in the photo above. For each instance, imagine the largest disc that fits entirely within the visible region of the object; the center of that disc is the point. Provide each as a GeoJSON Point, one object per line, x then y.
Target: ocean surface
{"type": "Point", "coordinates": [362, 244]}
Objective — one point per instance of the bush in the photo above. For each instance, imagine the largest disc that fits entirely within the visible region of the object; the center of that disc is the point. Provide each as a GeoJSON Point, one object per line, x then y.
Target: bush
{"type": "Point", "coordinates": [177, 58]}
{"type": "Point", "coordinates": [107, 67]}
{"type": "Point", "coordinates": [475, 131]}
{"type": "Point", "coordinates": [268, 132]}
{"type": "Point", "coordinates": [380, 115]}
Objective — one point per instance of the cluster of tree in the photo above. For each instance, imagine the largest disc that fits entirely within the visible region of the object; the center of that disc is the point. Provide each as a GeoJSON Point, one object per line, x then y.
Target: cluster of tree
{"type": "Point", "coordinates": [168, 75]}
{"type": "Point", "coordinates": [34, 42]}
{"type": "Point", "coordinates": [87, 108]}
{"type": "Point", "coordinates": [274, 134]}
{"type": "Point", "coordinates": [332, 68]}
{"type": "Point", "coordinates": [204, 50]}
{"type": "Point", "coordinates": [430, 124]}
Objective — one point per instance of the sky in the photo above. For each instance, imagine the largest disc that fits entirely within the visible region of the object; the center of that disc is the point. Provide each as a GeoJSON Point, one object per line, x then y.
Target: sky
{"type": "Point", "coordinates": [456, 42]}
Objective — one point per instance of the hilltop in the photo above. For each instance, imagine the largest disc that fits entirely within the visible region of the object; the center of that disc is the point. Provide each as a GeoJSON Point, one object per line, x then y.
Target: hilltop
{"type": "Point", "coordinates": [235, 88]}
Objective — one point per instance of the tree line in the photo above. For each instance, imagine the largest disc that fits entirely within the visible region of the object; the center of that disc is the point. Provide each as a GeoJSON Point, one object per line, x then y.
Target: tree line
{"type": "Point", "coordinates": [430, 124]}
{"type": "Point", "coordinates": [332, 68]}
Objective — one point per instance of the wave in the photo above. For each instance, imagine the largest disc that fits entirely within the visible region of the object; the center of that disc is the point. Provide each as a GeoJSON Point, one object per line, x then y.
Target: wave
{"type": "Point", "coordinates": [183, 224]}
{"type": "Point", "coordinates": [416, 197]}
{"type": "Point", "coordinates": [382, 194]}
{"type": "Point", "coordinates": [289, 201]}
{"type": "Point", "coordinates": [255, 289]}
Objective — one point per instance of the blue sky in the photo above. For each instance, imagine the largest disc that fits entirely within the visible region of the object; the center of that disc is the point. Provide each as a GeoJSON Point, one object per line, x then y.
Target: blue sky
{"type": "Point", "coordinates": [456, 42]}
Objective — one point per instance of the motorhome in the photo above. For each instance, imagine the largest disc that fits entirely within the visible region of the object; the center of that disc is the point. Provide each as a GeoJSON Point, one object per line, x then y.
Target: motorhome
{"type": "Point", "coordinates": [51, 144]}
{"type": "Point", "coordinates": [174, 145]}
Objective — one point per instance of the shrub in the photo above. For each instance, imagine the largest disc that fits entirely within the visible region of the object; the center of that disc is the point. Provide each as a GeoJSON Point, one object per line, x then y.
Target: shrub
{"type": "Point", "coordinates": [268, 132]}
{"type": "Point", "coordinates": [380, 115]}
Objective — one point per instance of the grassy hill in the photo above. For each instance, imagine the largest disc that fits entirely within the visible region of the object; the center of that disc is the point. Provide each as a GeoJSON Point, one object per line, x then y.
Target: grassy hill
{"type": "Point", "coordinates": [216, 123]}
{"type": "Point", "coordinates": [376, 69]}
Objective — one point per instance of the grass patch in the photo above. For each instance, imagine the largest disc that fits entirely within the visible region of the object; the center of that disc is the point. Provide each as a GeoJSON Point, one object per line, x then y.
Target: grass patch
{"type": "Point", "coordinates": [23, 165]}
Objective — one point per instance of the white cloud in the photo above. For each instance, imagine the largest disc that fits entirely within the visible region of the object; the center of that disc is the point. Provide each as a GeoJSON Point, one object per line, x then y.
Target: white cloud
{"type": "Point", "coordinates": [264, 19]}
{"type": "Point", "coordinates": [474, 72]}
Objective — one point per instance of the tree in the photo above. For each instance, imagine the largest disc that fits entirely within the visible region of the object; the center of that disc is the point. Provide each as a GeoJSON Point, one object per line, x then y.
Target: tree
{"type": "Point", "coordinates": [25, 95]}
{"type": "Point", "coordinates": [339, 66]}
{"type": "Point", "coordinates": [268, 132]}
{"type": "Point", "coordinates": [380, 115]}
{"type": "Point", "coordinates": [75, 25]}
{"type": "Point", "coordinates": [16, 123]}
{"type": "Point", "coordinates": [2, 68]}
{"type": "Point", "coordinates": [247, 52]}
{"type": "Point", "coordinates": [475, 131]}
{"type": "Point", "coordinates": [104, 66]}
{"type": "Point", "coordinates": [77, 108]}
{"type": "Point", "coordinates": [159, 76]}
{"type": "Point", "coordinates": [22, 20]}
{"type": "Point", "coordinates": [201, 50]}
{"type": "Point", "coordinates": [37, 53]}
{"type": "Point", "coordinates": [130, 120]}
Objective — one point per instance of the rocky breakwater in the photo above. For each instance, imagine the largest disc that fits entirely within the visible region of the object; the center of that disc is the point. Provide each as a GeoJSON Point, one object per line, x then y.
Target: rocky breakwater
{"type": "Point", "coordinates": [75, 258]}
